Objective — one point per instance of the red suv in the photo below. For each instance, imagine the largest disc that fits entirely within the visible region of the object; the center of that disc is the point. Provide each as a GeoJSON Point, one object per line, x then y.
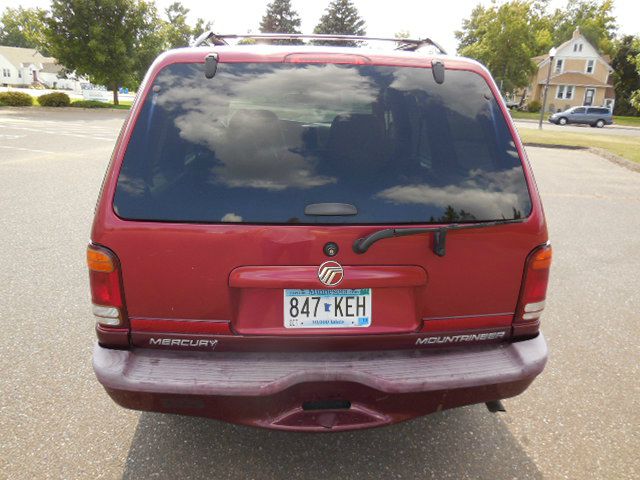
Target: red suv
{"type": "Point", "coordinates": [305, 237]}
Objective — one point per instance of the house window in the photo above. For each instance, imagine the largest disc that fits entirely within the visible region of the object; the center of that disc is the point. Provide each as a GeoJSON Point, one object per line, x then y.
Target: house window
{"type": "Point", "coordinates": [590, 66]}
{"type": "Point", "coordinates": [580, 47]}
{"type": "Point", "coordinates": [19, 74]}
{"type": "Point", "coordinates": [559, 65]}
{"type": "Point", "coordinates": [565, 92]}
{"type": "Point", "coordinates": [6, 72]}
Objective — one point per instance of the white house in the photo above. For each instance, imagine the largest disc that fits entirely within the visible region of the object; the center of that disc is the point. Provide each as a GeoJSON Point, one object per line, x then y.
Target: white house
{"type": "Point", "coordinates": [21, 67]}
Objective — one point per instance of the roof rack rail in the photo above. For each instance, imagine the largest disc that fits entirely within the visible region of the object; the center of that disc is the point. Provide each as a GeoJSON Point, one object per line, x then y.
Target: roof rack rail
{"type": "Point", "coordinates": [406, 44]}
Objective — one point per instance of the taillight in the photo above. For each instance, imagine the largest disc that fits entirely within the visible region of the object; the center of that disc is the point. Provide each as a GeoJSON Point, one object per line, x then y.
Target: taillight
{"type": "Point", "coordinates": [106, 288]}
{"type": "Point", "coordinates": [533, 293]}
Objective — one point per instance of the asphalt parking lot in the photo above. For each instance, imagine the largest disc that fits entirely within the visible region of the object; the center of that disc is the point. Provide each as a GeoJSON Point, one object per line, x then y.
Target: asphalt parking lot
{"type": "Point", "coordinates": [579, 420]}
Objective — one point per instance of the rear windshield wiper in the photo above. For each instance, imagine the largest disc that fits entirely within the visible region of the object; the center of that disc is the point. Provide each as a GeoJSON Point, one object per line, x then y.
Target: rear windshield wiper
{"type": "Point", "coordinates": [361, 245]}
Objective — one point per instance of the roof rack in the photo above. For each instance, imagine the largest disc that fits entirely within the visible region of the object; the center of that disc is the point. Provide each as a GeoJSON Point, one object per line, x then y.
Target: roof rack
{"type": "Point", "coordinates": [406, 44]}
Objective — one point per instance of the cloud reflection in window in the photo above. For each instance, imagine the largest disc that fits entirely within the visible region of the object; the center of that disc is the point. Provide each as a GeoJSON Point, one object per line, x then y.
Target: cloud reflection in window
{"type": "Point", "coordinates": [485, 195]}
{"type": "Point", "coordinates": [251, 151]}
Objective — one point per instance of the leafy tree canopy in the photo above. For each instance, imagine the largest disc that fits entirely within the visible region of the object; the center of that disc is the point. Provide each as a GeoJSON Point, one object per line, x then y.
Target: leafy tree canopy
{"type": "Point", "coordinates": [108, 40]}
{"type": "Point", "coordinates": [503, 38]}
{"type": "Point", "coordinates": [594, 18]}
{"type": "Point", "coordinates": [340, 18]}
{"type": "Point", "coordinates": [635, 99]}
{"type": "Point", "coordinates": [115, 41]}
{"type": "Point", "coordinates": [23, 27]}
{"type": "Point", "coordinates": [178, 33]}
{"type": "Point", "coordinates": [626, 77]}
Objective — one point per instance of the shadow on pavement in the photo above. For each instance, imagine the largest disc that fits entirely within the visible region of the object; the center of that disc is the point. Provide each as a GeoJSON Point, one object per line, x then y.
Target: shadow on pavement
{"type": "Point", "coordinates": [464, 443]}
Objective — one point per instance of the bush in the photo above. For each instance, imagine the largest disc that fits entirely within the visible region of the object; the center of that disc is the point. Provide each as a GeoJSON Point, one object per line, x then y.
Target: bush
{"type": "Point", "coordinates": [89, 104]}
{"type": "Point", "coordinates": [16, 99]}
{"type": "Point", "coordinates": [54, 100]}
{"type": "Point", "coordinates": [534, 106]}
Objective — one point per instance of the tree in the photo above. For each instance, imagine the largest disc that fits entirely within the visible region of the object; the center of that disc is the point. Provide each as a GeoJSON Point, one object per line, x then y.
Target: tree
{"type": "Point", "coordinates": [200, 27]}
{"type": "Point", "coordinates": [281, 18]}
{"type": "Point", "coordinates": [23, 27]}
{"type": "Point", "coordinates": [178, 33]}
{"type": "Point", "coordinates": [635, 98]}
{"type": "Point", "coordinates": [503, 37]}
{"type": "Point", "coordinates": [626, 78]}
{"type": "Point", "coordinates": [108, 40]}
{"type": "Point", "coordinates": [594, 18]}
{"type": "Point", "coordinates": [473, 28]}
{"type": "Point", "coordinates": [340, 18]}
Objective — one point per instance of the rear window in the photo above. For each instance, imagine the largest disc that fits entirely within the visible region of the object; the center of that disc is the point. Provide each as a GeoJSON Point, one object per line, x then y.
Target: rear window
{"type": "Point", "coordinates": [599, 111]}
{"type": "Point", "coordinates": [260, 141]}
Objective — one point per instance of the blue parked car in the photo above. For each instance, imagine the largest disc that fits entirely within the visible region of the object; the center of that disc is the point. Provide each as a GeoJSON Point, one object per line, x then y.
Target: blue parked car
{"type": "Point", "coordinates": [594, 116]}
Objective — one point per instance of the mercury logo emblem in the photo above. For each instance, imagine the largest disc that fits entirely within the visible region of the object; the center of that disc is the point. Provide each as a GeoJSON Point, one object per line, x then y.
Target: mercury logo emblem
{"type": "Point", "coordinates": [330, 273]}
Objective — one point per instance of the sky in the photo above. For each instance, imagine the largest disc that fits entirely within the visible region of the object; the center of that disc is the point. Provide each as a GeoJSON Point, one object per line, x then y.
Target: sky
{"type": "Point", "coordinates": [422, 18]}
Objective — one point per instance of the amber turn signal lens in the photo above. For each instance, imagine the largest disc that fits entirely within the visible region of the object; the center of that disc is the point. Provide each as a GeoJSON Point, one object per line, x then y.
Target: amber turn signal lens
{"type": "Point", "coordinates": [542, 259]}
{"type": "Point", "coordinates": [99, 261]}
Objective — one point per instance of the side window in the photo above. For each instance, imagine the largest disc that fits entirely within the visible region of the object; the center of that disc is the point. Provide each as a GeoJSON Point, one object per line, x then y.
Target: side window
{"type": "Point", "coordinates": [559, 65]}
{"type": "Point", "coordinates": [579, 110]}
{"type": "Point", "coordinates": [565, 91]}
{"type": "Point", "coordinates": [590, 66]}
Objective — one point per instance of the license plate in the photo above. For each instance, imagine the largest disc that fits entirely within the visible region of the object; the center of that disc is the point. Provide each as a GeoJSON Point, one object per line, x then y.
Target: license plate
{"type": "Point", "coordinates": [327, 308]}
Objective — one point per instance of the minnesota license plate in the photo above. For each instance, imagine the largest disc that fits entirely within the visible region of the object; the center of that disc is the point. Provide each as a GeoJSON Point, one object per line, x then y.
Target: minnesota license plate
{"type": "Point", "coordinates": [346, 308]}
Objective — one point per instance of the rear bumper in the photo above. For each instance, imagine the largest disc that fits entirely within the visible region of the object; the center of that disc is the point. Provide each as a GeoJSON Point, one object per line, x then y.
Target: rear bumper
{"type": "Point", "coordinates": [271, 389]}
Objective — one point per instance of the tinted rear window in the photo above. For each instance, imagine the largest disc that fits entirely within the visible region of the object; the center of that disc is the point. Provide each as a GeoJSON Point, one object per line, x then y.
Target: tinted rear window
{"type": "Point", "coordinates": [260, 141]}
{"type": "Point", "coordinates": [599, 110]}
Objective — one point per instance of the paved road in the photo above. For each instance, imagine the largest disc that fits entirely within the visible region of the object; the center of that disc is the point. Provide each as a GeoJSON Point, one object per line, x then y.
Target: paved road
{"type": "Point", "coordinates": [607, 130]}
{"type": "Point", "coordinates": [581, 419]}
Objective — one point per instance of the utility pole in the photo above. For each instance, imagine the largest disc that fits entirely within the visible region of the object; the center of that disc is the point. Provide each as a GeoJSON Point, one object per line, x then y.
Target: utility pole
{"type": "Point", "coordinates": [552, 54]}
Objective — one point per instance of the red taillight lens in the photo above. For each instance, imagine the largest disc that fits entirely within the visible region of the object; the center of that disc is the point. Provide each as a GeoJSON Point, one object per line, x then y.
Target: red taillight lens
{"type": "Point", "coordinates": [106, 288]}
{"type": "Point", "coordinates": [526, 322]}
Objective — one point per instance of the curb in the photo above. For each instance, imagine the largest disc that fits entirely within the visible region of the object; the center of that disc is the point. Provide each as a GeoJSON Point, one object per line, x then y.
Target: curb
{"type": "Point", "coordinates": [607, 155]}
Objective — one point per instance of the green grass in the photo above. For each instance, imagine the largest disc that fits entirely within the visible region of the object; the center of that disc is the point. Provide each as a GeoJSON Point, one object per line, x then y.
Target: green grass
{"type": "Point", "coordinates": [89, 104]}
{"type": "Point", "coordinates": [618, 120]}
{"type": "Point", "coordinates": [627, 121]}
{"type": "Point", "coordinates": [626, 146]}
{"type": "Point", "coordinates": [517, 114]}
{"type": "Point", "coordinates": [124, 104]}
